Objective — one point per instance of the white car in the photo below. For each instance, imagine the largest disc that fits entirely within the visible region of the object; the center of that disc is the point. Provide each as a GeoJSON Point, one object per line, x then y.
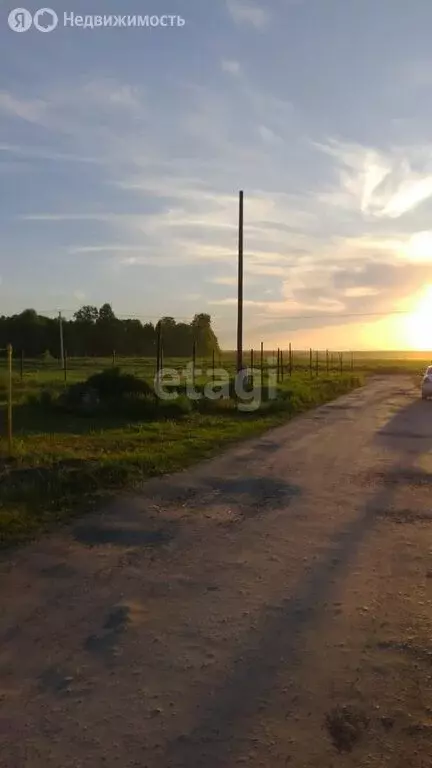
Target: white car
{"type": "Point", "coordinates": [426, 387]}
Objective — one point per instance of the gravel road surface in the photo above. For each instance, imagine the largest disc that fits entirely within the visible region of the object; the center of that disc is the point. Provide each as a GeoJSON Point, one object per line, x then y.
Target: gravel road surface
{"type": "Point", "coordinates": [270, 607]}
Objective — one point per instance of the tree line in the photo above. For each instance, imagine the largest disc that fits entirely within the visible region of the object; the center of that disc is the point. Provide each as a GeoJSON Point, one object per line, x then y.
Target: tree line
{"type": "Point", "coordinates": [97, 332]}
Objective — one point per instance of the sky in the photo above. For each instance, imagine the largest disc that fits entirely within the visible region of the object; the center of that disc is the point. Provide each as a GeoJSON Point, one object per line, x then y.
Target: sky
{"type": "Point", "coordinates": [122, 151]}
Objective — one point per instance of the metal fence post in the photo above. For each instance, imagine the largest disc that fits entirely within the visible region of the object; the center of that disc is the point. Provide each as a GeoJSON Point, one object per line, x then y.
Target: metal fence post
{"type": "Point", "coordinates": [9, 405]}
{"type": "Point", "coordinates": [193, 363]}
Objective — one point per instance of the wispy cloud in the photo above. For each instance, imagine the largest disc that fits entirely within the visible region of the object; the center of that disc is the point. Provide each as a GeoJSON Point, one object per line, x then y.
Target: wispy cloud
{"type": "Point", "coordinates": [31, 110]}
{"type": "Point", "coordinates": [379, 184]}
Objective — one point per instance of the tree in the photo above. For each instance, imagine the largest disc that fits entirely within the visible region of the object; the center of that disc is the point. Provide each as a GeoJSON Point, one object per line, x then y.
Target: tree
{"type": "Point", "coordinates": [106, 314]}
{"type": "Point", "coordinates": [204, 336]}
{"type": "Point", "coordinates": [87, 314]}
{"type": "Point", "coordinates": [97, 332]}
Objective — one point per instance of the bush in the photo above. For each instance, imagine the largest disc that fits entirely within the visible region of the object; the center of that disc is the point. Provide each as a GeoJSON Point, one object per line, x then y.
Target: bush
{"type": "Point", "coordinates": [138, 408]}
{"type": "Point", "coordinates": [113, 384]}
{"type": "Point", "coordinates": [108, 392]}
{"type": "Point", "coordinates": [79, 398]}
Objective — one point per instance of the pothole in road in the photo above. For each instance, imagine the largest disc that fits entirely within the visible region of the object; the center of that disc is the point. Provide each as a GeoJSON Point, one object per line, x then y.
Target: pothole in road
{"type": "Point", "coordinates": [346, 726]}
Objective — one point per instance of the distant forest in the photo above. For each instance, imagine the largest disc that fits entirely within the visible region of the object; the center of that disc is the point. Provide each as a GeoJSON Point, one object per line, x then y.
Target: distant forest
{"type": "Point", "coordinates": [98, 333]}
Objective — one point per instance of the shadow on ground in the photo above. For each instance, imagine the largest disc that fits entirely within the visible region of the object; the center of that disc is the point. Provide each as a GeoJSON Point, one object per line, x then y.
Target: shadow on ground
{"type": "Point", "coordinates": [411, 423]}
{"type": "Point", "coordinates": [247, 497]}
{"type": "Point", "coordinates": [278, 638]}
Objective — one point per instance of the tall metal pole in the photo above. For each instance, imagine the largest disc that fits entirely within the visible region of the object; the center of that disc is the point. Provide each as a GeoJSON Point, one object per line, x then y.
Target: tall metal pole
{"type": "Point", "coordinates": [262, 364]}
{"type": "Point", "coordinates": [240, 288]}
{"type": "Point", "coordinates": [61, 340]}
{"type": "Point", "coordinates": [158, 350]}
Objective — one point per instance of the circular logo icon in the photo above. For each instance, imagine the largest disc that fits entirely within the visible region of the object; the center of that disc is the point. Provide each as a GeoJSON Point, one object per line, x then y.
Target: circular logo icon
{"type": "Point", "coordinates": [45, 19]}
{"type": "Point", "coordinates": [20, 20]}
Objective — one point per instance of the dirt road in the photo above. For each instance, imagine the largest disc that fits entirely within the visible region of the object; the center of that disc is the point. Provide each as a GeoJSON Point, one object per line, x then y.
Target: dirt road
{"type": "Point", "coordinates": [272, 607]}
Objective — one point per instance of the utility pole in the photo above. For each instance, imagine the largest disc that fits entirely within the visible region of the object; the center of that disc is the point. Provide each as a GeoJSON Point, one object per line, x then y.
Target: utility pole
{"type": "Point", "coordinates": [262, 364]}
{"type": "Point", "coordinates": [61, 340]}
{"type": "Point", "coordinates": [240, 288]}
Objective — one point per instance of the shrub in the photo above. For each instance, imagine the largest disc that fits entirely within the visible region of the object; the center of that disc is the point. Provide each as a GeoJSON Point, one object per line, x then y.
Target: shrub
{"type": "Point", "coordinates": [139, 408]}
{"type": "Point", "coordinates": [112, 383]}
{"type": "Point", "coordinates": [79, 398]}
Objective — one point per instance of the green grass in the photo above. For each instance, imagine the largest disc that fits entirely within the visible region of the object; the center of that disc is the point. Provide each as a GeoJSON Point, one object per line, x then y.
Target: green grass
{"type": "Point", "coordinates": [65, 464]}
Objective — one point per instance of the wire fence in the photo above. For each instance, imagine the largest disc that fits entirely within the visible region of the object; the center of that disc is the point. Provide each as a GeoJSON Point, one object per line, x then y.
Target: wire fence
{"type": "Point", "coordinates": [19, 375]}
{"type": "Point", "coordinates": [280, 362]}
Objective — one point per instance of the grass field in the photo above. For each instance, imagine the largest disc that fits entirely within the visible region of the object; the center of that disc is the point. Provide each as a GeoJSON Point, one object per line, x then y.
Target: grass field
{"type": "Point", "coordinates": [62, 464]}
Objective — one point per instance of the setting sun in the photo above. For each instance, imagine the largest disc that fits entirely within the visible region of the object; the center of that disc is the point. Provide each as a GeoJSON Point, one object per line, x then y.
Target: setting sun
{"type": "Point", "coordinates": [418, 324]}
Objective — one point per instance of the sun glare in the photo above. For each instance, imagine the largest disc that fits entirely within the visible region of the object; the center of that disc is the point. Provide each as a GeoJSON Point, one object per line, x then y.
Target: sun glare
{"type": "Point", "coordinates": [418, 324]}
{"type": "Point", "coordinates": [419, 247]}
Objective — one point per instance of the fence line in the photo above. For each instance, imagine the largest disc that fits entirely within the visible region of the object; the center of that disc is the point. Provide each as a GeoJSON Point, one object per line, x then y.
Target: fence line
{"type": "Point", "coordinates": [281, 362]}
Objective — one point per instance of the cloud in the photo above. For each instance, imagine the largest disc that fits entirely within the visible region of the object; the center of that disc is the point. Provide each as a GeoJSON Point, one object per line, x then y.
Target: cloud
{"type": "Point", "coordinates": [268, 136]}
{"type": "Point", "coordinates": [379, 184]}
{"type": "Point", "coordinates": [360, 291]}
{"type": "Point", "coordinates": [31, 110]}
{"type": "Point", "coordinates": [246, 12]}
{"type": "Point", "coordinates": [272, 270]}
{"type": "Point", "coordinates": [224, 280]}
